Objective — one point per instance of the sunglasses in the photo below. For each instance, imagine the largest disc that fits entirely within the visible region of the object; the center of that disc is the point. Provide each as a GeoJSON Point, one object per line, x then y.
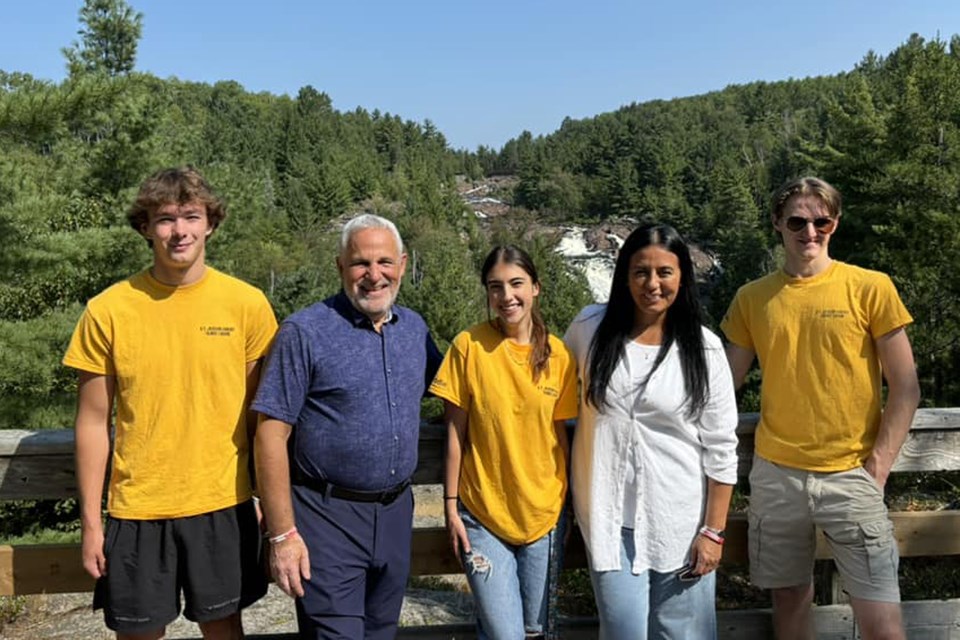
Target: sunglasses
{"type": "Point", "coordinates": [798, 223]}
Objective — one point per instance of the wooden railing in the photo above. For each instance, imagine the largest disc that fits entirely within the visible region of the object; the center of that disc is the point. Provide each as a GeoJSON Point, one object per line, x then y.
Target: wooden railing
{"type": "Point", "coordinates": [39, 464]}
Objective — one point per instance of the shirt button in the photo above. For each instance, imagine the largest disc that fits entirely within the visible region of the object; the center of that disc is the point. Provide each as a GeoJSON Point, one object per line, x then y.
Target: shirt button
{"type": "Point", "coordinates": [393, 404]}
{"type": "Point", "coordinates": [395, 438]}
{"type": "Point", "coordinates": [393, 472]}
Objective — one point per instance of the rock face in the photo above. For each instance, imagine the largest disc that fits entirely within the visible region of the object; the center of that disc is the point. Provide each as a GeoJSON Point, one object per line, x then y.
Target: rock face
{"type": "Point", "coordinates": [591, 249]}
{"type": "Point", "coordinates": [579, 248]}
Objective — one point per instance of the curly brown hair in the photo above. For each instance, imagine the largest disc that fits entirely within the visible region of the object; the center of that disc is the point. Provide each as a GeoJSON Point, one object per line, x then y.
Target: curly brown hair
{"type": "Point", "coordinates": [174, 185]}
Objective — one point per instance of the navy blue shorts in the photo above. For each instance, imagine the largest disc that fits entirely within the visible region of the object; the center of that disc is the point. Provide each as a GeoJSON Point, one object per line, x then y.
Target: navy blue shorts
{"type": "Point", "coordinates": [212, 558]}
{"type": "Point", "coordinates": [359, 564]}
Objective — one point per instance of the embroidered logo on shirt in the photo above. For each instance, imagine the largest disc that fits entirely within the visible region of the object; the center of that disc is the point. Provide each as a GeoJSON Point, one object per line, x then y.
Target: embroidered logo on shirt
{"type": "Point", "coordinates": [217, 331]}
{"type": "Point", "coordinates": [550, 391]}
{"type": "Point", "coordinates": [833, 313]}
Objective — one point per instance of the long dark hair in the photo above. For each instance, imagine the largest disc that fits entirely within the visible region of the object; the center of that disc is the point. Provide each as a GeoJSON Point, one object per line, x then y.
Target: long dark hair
{"type": "Point", "coordinates": [540, 337]}
{"type": "Point", "coordinates": [682, 324]}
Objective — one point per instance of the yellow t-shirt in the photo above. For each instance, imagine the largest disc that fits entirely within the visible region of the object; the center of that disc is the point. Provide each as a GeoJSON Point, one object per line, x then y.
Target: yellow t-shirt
{"type": "Point", "coordinates": [513, 475]}
{"type": "Point", "coordinates": [179, 356]}
{"type": "Point", "coordinates": [815, 338]}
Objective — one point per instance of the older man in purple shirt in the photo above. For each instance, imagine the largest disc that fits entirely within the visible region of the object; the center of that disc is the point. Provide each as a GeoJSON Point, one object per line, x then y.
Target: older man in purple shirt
{"type": "Point", "coordinates": [345, 378]}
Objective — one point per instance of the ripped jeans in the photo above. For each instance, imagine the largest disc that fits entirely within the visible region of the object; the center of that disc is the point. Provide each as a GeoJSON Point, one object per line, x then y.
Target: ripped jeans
{"type": "Point", "coordinates": [512, 585]}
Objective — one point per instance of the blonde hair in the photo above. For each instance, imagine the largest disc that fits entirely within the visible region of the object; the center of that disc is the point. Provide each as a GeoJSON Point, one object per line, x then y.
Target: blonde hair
{"type": "Point", "coordinates": [807, 186]}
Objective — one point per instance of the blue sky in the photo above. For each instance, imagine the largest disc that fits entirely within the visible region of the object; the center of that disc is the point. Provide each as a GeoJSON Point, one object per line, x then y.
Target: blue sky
{"type": "Point", "coordinates": [484, 72]}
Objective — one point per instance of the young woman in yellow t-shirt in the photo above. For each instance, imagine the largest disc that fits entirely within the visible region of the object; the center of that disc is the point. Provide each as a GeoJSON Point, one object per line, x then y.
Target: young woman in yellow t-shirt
{"type": "Point", "coordinates": [508, 387]}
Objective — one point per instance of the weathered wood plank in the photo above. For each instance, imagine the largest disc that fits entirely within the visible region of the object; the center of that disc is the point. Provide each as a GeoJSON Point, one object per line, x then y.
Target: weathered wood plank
{"type": "Point", "coordinates": [929, 450]}
{"type": "Point", "coordinates": [39, 464]}
{"type": "Point", "coordinates": [942, 418]}
{"type": "Point", "coordinates": [927, 533]}
{"type": "Point", "coordinates": [36, 443]}
{"type": "Point", "coordinates": [37, 477]}
{"type": "Point", "coordinates": [26, 569]}
{"type": "Point", "coordinates": [48, 568]}
{"type": "Point", "coordinates": [919, 533]}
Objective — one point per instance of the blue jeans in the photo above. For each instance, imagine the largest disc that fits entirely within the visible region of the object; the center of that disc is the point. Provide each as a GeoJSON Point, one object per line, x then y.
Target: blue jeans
{"type": "Point", "coordinates": [511, 584]}
{"type": "Point", "coordinates": [652, 604]}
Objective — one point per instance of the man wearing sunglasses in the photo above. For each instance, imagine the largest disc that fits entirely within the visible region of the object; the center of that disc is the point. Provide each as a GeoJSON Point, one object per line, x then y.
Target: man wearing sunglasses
{"type": "Point", "coordinates": [826, 334]}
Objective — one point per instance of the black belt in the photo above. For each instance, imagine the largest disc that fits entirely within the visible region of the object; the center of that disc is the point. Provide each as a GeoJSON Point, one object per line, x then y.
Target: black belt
{"type": "Point", "coordinates": [322, 486]}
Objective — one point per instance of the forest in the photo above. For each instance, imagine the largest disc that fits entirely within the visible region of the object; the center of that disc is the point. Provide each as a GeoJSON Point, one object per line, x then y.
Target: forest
{"type": "Point", "coordinates": [72, 153]}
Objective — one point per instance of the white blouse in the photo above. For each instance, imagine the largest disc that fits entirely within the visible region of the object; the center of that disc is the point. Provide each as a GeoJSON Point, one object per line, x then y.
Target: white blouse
{"type": "Point", "coordinates": [641, 463]}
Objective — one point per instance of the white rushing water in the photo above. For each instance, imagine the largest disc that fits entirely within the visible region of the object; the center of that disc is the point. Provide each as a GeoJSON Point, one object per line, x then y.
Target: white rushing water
{"type": "Point", "coordinates": [597, 266]}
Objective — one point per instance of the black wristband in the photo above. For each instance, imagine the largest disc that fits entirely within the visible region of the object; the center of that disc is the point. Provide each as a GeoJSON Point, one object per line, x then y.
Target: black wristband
{"type": "Point", "coordinates": [451, 497]}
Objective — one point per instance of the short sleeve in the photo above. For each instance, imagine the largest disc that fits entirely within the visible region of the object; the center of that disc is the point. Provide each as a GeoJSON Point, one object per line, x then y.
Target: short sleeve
{"type": "Point", "coordinates": [885, 309]}
{"type": "Point", "coordinates": [734, 324]}
{"type": "Point", "coordinates": [451, 381]}
{"type": "Point", "coordinates": [285, 378]}
{"type": "Point", "coordinates": [90, 347]}
{"type": "Point", "coordinates": [261, 330]}
{"type": "Point", "coordinates": [567, 404]}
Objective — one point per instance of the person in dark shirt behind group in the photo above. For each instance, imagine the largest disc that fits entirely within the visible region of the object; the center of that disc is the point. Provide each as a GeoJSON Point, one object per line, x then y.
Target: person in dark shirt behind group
{"type": "Point", "coordinates": [345, 378]}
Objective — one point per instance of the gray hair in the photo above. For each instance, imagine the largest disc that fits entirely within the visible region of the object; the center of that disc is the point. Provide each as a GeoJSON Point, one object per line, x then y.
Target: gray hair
{"type": "Point", "coordinates": [367, 221]}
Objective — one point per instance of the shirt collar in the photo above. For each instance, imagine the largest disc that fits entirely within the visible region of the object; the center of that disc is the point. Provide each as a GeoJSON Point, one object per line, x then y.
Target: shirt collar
{"type": "Point", "coordinates": [343, 305]}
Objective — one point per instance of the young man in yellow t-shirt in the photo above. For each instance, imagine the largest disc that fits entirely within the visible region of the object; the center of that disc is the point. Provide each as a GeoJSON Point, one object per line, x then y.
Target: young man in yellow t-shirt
{"type": "Point", "coordinates": [826, 335]}
{"type": "Point", "coordinates": [177, 348]}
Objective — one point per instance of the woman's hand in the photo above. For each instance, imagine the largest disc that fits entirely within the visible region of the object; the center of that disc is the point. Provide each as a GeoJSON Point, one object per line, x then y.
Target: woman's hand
{"type": "Point", "coordinates": [455, 529]}
{"type": "Point", "coordinates": [705, 555]}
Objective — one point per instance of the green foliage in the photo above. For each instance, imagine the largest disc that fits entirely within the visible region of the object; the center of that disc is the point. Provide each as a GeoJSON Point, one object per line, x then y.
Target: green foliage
{"type": "Point", "coordinates": [39, 521]}
{"type": "Point", "coordinates": [109, 36]}
{"type": "Point", "coordinates": [11, 608]}
{"type": "Point", "coordinates": [36, 392]}
{"type": "Point", "coordinates": [441, 282]}
{"type": "Point", "coordinates": [575, 593]}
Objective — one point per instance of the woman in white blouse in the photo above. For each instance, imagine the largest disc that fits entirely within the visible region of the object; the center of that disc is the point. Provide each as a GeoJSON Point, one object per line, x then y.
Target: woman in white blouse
{"type": "Point", "coordinates": [654, 456]}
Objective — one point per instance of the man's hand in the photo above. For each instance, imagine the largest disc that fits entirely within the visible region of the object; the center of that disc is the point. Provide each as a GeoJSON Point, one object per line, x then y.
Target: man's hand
{"type": "Point", "coordinates": [879, 469]}
{"type": "Point", "coordinates": [91, 546]}
{"type": "Point", "coordinates": [289, 562]}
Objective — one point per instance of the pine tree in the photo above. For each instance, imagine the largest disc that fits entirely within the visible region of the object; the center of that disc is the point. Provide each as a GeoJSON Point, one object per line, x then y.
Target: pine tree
{"type": "Point", "coordinates": [109, 37]}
